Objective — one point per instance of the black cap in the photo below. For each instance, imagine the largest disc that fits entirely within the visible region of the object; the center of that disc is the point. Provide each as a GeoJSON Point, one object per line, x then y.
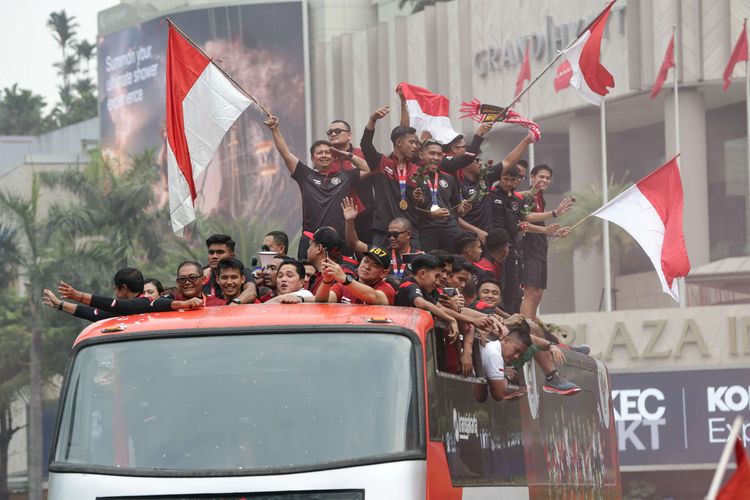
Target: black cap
{"type": "Point", "coordinates": [326, 236]}
{"type": "Point", "coordinates": [379, 255]}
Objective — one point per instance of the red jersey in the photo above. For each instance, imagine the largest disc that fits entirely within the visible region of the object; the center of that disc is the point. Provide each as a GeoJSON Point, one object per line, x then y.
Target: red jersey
{"type": "Point", "coordinates": [345, 296]}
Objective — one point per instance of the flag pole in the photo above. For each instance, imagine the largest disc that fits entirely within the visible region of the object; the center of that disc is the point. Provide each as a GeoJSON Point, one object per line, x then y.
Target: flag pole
{"type": "Point", "coordinates": [724, 460]}
{"type": "Point", "coordinates": [681, 288]}
{"type": "Point", "coordinates": [605, 199]}
{"type": "Point", "coordinates": [213, 61]}
{"type": "Point", "coordinates": [531, 146]}
{"type": "Point", "coordinates": [747, 103]}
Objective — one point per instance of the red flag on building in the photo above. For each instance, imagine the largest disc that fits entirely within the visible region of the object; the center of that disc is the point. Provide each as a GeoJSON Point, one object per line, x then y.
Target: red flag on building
{"type": "Point", "coordinates": [589, 78]}
{"type": "Point", "coordinates": [202, 104]}
{"type": "Point", "coordinates": [651, 212]}
{"type": "Point", "coordinates": [664, 70]}
{"type": "Point", "coordinates": [562, 76]}
{"type": "Point", "coordinates": [525, 73]}
{"type": "Point", "coordinates": [738, 54]}
{"type": "Point", "coordinates": [738, 485]}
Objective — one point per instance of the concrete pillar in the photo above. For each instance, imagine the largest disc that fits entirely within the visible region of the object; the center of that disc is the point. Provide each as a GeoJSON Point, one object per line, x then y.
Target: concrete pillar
{"type": "Point", "coordinates": [694, 167]}
{"type": "Point", "coordinates": [585, 169]}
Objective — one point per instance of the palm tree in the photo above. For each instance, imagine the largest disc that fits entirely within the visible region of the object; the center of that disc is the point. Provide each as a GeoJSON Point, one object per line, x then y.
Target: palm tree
{"type": "Point", "coordinates": [63, 29]}
{"type": "Point", "coordinates": [115, 210]}
{"type": "Point", "coordinates": [67, 67]}
{"type": "Point", "coordinates": [21, 112]}
{"type": "Point", "coordinates": [85, 52]}
{"type": "Point", "coordinates": [23, 214]}
{"type": "Point", "coordinates": [588, 235]}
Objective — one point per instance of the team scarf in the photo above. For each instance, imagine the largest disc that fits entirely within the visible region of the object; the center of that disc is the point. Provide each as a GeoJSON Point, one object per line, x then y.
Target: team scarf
{"type": "Point", "coordinates": [487, 113]}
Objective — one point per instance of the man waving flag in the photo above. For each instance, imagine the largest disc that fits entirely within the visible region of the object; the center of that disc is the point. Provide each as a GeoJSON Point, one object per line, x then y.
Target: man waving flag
{"type": "Point", "coordinates": [202, 104]}
{"type": "Point", "coordinates": [588, 76]}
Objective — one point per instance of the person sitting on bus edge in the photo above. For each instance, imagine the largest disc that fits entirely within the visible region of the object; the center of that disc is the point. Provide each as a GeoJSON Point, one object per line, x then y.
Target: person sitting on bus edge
{"type": "Point", "coordinates": [290, 283]}
{"type": "Point", "coordinates": [420, 290]}
{"type": "Point", "coordinates": [127, 284]}
{"type": "Point", "coordinates": [326, 243]}
{"type": "Point", "coordinates": [135, 305]}
{"type": "Point", "coordinates": [231, 272]}
{"type": "Point", "coordinates": [370, 287]}
{"type": "Point", "coordinates": [498, 351]}
{"type": "Point", "coordinates": [468, 246]}
{"type": "Point", "coordinates": [398, 236]}
{"type": "Point", "coordinates": [220, 246]}
{"type": "Point", "coordinates": [152, 288]}
{"type": "Point", "coordinates": [276, 241]}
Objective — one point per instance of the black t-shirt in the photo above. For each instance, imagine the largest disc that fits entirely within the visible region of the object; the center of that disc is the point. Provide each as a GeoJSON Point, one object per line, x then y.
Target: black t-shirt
{"type": "Point", "coordinates": [322, 196]}
{"type": "Point", "coordinates": [480, 214]}
{"type": "Point", "coordinates": [448, 196]}
{"type": "Point", "coordinates": [384, 175]}
{"type": "Point", "coordinates": [535, 245]}
{"type": "Point", "coordinates": [410, 290]}
{"type": "Point", "coordinates": [506, 213]}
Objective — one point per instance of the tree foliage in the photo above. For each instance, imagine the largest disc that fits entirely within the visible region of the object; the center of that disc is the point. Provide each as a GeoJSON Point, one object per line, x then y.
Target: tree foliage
{"type": "Point", "coordinates": [22, 112]}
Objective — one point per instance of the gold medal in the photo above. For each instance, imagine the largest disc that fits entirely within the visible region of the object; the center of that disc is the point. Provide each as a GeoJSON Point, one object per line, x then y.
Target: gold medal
{"type": "Point", "coordinates": [403, 205]}
{"type": "Point", "coordinates": [434, 208]}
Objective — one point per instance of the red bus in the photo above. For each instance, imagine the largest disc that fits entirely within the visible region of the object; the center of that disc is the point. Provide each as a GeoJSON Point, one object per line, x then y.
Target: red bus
{"type": "Point", "coordinates": [328, 401]}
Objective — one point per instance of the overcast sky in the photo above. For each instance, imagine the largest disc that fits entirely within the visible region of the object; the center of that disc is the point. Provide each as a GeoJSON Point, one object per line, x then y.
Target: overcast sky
{"type": "Point", "coordinates": [28, 49]}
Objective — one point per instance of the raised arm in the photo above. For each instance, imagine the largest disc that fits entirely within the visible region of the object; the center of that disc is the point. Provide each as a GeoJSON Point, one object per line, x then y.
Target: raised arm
{"type": "Point", "coordinates": [352, 239]}
{"type": "Point", "coordinates": [360, 163]}
{"type": "Point", "coordinates": [290, 160]}
{"type": "Point", "coordinates": [518, 151]}
{"type": "Point", "coordinates": [565, 205]}
{"type": "Point", "coordinates": [372, 156]}
{"type": "Point", "coordinates": [405, 122]}
{"type": "Point", "coordinates": [453, 165]}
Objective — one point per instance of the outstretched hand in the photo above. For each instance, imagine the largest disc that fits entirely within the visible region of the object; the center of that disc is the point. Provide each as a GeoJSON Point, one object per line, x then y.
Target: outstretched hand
{"type": "Point", "coordinates": [68, 292]}
{"type": "Point", "coordinates": [49, 299]}
{"type": "Point", "coordinates": [380, 113]}
{"type": "Point", "coordinates": [349, 208]}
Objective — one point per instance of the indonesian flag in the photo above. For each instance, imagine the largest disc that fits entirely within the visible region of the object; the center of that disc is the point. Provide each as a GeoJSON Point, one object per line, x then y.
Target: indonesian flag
{"type": "Point", "coordinates": [202, 104]}
{"type": "Point", "coordinates": [589, 77]}
{"type": "Point", "coordinates": [651, 212]}
{"type": "Point", "coordinates": [428, 112]}
{"type": "Point", "coordinates": [739, 484]}
{"type": "Point", "coordinates": [525, 73]}
{"type": "Point", "coordinates": [738, 54]}
{"type": "Point", "coordinates": [664, 70]}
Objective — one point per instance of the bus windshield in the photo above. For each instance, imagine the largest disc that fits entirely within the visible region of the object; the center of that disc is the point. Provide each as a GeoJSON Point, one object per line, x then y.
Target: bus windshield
{"type": "Point", "coordinates": [241, 402]}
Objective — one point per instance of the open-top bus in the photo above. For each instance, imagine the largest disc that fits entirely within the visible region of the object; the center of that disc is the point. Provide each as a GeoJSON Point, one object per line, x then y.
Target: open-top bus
{"type": "Point", "coordinates": [314, 401]}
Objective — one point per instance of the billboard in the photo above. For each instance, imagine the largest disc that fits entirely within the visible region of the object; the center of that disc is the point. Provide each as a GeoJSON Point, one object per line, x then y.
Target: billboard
{"type": "Point", "coordinates": [680, 417]}
{"type": "Point", "coordinates": [262, 46]}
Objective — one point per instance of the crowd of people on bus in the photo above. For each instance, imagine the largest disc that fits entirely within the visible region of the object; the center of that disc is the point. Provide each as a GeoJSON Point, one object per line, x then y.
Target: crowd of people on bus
{"type": "Point", "coordinates": [428, 225]}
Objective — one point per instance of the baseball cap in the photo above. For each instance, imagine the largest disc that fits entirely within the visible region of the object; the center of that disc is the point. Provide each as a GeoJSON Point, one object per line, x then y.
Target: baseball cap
{"type": "Point", "coordinates": [326, 236]}
{"type": "Point", "coordinates": [379, 255]}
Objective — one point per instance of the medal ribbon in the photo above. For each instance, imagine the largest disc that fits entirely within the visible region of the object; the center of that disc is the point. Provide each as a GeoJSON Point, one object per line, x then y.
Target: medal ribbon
{"type": "Point", "coordinates": [402, 181]}
{"type": "Point", "coordinates": [397, 270]}
{"type": "Point", "coordinates": [433, 189]}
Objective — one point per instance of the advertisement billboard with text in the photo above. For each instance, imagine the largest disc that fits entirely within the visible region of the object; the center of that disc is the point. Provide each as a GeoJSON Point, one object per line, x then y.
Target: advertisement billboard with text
{"type": "Point", "coordinates": [262, 46]}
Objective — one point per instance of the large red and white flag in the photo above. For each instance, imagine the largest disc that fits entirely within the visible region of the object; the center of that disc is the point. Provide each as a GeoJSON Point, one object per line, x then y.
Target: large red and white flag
{"type": "Point", "coordinates": [738, 54]}
{"type": "Point", "coordinates": [428, 112]}
{"type": "Point", "coordinates": [589, 77]}
{"type": "Point", "coordinates": [667, 63]}
{"type": "Point", "coordinates": [651, 211]}
{"type": "Point", "coordinates": [202, 104]}
{"type": "Point", "coordinates": [525, 73]}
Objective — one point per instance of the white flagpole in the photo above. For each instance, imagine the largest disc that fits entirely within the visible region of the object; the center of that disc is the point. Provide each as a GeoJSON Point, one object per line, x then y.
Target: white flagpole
{"type": "Point", "coordinates": [605, 199]}
{"type": "Point", "coordinates": [724, 460]}
{"type": "Point", "coordinates": [747, 103]}
{"type": "Point", "coordinates": [681, 289]}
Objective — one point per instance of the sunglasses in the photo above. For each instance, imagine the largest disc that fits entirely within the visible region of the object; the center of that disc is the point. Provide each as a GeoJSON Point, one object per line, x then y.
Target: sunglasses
{"type": "Point", "coordinates": [184, 279]}
{"type": "Point", "coordinates": [265, 248]}
{"type": "Point", "coordinates": [335, 131]}
{"type": "Point", "coordinates": [394, 234]}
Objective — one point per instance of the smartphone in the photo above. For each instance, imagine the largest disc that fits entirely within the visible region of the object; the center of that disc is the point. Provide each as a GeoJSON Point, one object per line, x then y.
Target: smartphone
{"type": "Point", "coordinates": [449, 291]}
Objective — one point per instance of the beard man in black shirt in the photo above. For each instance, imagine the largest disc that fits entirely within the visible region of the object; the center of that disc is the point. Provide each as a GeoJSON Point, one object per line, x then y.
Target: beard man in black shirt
{"type": "Point", "coordinates": [322, 190]}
